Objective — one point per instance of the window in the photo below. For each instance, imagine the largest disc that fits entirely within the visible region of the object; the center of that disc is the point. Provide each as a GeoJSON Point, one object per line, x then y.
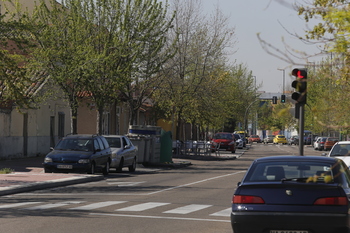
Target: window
{"type": "Point", "coordinates": [102, 147]}
{"type": "Point", "coordinates": [96, 145]}
{"type": "Point", "coordinates": [305, 172]}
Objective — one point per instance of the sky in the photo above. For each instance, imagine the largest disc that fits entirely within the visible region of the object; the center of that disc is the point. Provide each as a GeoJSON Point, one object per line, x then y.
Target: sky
{"type": "Point", "coordinates": [274, 20]}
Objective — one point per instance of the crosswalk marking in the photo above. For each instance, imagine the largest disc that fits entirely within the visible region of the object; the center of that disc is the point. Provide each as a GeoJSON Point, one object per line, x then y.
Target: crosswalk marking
{"type": "Point", "coordinates": [125, 184]}
{"type": "Point", "coordinates": [223, 213]}
{"type": "Point", "coordinates": [182, 210]}
{"type": "Point", "coordinates": [50, 206]}
{"type": "Point", "coordinates": [144, 206]}
{"type": "Point", "coordinates": [186, 209]}
{"type": "Point", "coordinates": [97, 205]}
{"type": "Point", "coordinates": [17, 205]}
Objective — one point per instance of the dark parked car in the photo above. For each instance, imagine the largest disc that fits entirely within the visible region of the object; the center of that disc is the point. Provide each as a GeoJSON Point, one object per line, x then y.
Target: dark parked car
{"type": "Point", "coordinates": [79, 153]}
{"type": "Point", "coordinates": [124, 153]}
{"type": "Point", "coordinates": [299, 194]}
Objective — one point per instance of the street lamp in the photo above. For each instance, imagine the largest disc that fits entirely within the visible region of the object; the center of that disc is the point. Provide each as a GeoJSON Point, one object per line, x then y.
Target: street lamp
{"type": "Point", "coordinates": [284, 76]}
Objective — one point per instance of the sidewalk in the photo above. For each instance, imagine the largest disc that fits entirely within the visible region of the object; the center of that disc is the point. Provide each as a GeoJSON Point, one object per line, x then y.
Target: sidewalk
{"type": "Point", "coordinates": [29, 175]}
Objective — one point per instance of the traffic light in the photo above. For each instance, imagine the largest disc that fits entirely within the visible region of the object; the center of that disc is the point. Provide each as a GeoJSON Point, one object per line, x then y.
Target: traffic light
{"type": "Point", "coordinates": [274, 99]}
{"type": "Point", "coordinates": [283, 98]}
{"type": "Point", "coordinates": [300, 85]}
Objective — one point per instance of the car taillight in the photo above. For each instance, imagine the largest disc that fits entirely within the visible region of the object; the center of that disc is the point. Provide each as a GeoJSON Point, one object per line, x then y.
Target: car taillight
{"type": "Point", "coordinates": [243, 199]}
{"type": "Point", "coordinates": [322, 142]}
{"type": "Point", "coordinates": [331, 201]}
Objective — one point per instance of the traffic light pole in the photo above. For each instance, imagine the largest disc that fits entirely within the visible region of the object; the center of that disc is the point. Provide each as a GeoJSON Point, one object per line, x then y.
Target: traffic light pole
{"type": "Point", "coordinates": [301, 129]}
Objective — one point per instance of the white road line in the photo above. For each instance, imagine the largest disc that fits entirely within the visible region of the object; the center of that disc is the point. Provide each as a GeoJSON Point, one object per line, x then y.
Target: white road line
{"type": "Point", "coordinates": [162, 217]}
{"type": "Point", "coordinates": [17, 204]}
{"type": "Point", "coordinates": [197, 182]}
{"type": "Point", "coordinates": [97, 205]}
{"type": "Point", "coordinates": [50, 206]}
{"type": "Point", "coordinates": [125, 184]}
{"type": "Point", "coordinates": [223, 213]}
{"type": "Point", "coordinates": [144, 206]}
{"type": "Point", "coordinates": [187, 209]}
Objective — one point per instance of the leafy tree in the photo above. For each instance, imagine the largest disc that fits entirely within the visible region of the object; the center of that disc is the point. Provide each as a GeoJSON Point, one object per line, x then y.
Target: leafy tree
{"type": "Point", "coordinates": [104, 49]}
{"type": "Point", "coordinates": [197, 68]}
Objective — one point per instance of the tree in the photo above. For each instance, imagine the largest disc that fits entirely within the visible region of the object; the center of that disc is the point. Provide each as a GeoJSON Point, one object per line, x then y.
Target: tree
{"type": "Point", "coordinates": [332, 32]}
{"type": "Point", "coordinates": [105, 49]}
{"type": "Point", "coordinates": [197, 68]}
{"type": "Point", "coordinates": [15, 77]}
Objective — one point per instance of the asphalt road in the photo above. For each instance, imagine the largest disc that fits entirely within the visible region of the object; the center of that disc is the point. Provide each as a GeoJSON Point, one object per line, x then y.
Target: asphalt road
{"type": "Point", "coordinates": [191, 199]}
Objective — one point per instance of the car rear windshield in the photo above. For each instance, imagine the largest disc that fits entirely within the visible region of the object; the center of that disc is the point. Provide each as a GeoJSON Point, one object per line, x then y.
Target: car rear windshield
{"type": "Point", "coordinates": [75, 144]}
{"type": "Point", "coordinates": [223, 136]}
{"type": "Point", "coordinates": [293, 171]}
{"type": "Point", "coordinates": [333, 139]}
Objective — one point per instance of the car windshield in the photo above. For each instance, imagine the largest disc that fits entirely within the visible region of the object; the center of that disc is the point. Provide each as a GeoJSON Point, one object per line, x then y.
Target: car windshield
{"type": "Point", "coordinates": [223, 136]}
{"type": "Point", "coordinates": [340, 150]}
{"type": "Point", "coordinates": [291, 171]}
{"type": "Point", "coordinates": [114, 142]}
{"type": "Point", "coordinates": [75, 144]}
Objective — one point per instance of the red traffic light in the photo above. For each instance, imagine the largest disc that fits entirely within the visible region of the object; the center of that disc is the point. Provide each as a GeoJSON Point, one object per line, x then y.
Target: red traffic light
{"type": "Point", "coordinates": [299, 73]}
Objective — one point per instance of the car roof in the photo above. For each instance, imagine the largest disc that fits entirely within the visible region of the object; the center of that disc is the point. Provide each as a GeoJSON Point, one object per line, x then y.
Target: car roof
{"type": "Point", "coordinates": [343, 142]}
{"type": "Point", "coordinates": [82, 136]}
{"type": "Point", "coordinates": [295, 158]}
{"type": "Point", "coordinates": [113, 136]}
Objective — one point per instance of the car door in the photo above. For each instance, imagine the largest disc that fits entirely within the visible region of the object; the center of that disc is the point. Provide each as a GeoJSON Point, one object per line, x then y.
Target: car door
{"type": "Point", "coordinates": [127, 151]}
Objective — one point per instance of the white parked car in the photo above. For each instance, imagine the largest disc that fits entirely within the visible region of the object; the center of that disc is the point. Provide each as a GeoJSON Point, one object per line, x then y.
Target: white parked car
{"type": "Point", "coordinates": [124, 153]}
{"type": "Point", "coordinates": [239, 141]}
{"type": "Point", "coordinates": [319, 143]}
{"type": "Point", "coordinates": [340, 150]}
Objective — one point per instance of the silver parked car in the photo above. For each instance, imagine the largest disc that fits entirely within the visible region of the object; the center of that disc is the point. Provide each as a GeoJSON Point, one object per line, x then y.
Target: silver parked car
{"type": "Point", "coordinates": [268, 139]}
{"type": "Point", "coordinates": [124, 153]}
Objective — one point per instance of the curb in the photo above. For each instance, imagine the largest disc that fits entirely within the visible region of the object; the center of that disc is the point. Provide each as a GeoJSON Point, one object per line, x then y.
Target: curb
{"type": "Point", "coordinates": [14, 189]}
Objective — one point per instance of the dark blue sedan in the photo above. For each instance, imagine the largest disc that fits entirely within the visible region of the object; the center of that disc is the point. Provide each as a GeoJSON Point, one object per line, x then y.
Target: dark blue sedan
{"type": "Point", "coordinates": [298, 194]}
{"type": "Point", "coordinates": [79, 153]}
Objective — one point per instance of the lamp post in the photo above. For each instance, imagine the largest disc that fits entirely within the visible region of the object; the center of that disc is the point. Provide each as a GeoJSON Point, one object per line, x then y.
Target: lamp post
{"type": "Point", "coordinates": [284, 76]}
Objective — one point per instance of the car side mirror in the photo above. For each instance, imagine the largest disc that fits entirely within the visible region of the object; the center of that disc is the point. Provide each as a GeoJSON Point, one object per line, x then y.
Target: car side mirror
{"type": "Point", "coordinates": [239, 183]}
{"type": "Point", "coordinates": [126, 147]}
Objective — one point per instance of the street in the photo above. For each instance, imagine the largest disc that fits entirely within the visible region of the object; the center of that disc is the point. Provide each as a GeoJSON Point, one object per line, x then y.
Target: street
{"type": "Point", "coordinates": [191, 199]}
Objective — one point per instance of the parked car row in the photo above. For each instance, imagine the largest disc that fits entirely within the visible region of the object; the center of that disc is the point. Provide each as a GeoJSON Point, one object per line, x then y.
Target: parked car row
{"type": "Point", "coordinates": [324, 143]}
{"type": "Point", "coordinates": [91, 154]}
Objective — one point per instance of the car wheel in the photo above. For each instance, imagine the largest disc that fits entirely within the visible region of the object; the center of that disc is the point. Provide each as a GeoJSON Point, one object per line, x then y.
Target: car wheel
{"type": "Point", "coordinates": [132, 167]}
{"type": "Point", "coordinates": [106, 168]}
{"type": "Point", "coordinates": [92, 168]}
{"type": "Point", "coordinates": [121, 165]}
{"type": "Point", "coordinates": [47, 171]}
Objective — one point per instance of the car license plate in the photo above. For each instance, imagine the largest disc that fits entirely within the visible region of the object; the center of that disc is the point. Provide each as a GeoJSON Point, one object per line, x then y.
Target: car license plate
{"type": "Point", "coordinates": [288, 231]}
{"type": "Point", "coordinates": [64, 166]}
